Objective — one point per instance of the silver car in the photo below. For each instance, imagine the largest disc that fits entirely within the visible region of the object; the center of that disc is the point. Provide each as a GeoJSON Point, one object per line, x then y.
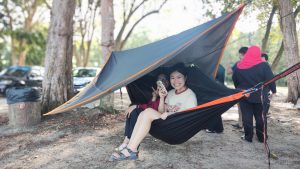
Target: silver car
{"type": "Point", "coordinates": [83, 76]}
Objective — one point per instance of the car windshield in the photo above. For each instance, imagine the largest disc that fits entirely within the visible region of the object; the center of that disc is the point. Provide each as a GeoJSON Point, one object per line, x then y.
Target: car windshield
{"type": "Point", "coordinates": [17, 71]}
{"type": "Point", "coordinates": [84, 72]}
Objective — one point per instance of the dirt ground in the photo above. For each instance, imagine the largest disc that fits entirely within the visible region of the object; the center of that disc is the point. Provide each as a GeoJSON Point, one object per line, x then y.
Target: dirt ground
{"type": "Point", "coordinates": [85, 138]}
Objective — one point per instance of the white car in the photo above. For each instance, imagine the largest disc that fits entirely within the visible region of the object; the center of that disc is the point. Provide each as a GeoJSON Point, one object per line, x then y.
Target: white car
{"type": "Point", "coordinates": [83, 76]}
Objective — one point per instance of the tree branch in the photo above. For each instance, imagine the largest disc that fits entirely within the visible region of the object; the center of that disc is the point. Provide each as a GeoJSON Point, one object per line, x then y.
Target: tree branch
{"type": "Point", "coordinates": [134, 25]}
{"type": "Point", "coordinates": [47, 4]}
{"type": "Point", "coordinates": [122, 43]}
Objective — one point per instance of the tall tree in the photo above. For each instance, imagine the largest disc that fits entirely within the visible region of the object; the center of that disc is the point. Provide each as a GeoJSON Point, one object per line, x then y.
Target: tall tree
{"type": "Point", "coordinates": [291, 50]}
{"type": "Point", "coordinates": [268, 28]}
{"type": "Point", "coordinates": [29, 9]}
{"type": "Point", "coordinates": [108, 26]}
{"type": "Point", "coordinates": [57, 83]}
{"type": "Point", "coordinates": [280, 51]}
{"type": "Point", "coordinates": [85, 18]}
{"type": "Point", "coordinates": [107, 42]}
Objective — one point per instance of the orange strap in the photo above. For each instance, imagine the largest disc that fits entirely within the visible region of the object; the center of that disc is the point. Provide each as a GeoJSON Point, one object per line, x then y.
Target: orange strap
{"type": "Point", "coordinates": [218, 101]}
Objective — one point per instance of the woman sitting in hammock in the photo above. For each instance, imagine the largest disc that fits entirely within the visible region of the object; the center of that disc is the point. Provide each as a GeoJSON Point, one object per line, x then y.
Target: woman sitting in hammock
{"type": "Point", "coordinates": [134, 111]}
{"type": "Point", "coordinates": [178, 99]}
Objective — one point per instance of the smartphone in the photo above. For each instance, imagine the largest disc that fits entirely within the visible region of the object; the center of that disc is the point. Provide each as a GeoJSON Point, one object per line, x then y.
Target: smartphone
{"type": "Point", "coordinates": [161, 87]}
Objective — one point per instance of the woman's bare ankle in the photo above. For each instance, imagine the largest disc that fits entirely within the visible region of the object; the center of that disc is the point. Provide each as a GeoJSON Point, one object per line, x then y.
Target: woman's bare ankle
{"type": "Point", "coordinates": [126, 140]}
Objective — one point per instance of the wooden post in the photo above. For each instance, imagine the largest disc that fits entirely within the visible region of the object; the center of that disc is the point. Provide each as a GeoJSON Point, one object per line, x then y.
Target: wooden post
{"type": "Point", "coordinates": [24, 114]}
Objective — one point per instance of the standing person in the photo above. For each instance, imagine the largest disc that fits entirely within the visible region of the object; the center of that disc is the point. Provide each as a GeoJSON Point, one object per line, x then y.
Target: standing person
{"type": "Point", "coordinates": [266, 103]}
{"type": "Point", "coordinates": [265, 57]}
{"type": "Point", "coordinates": [215, 125]}
{"type": "Point", "coordinates": [242, 52]}
{"type": "Point", "coordinates": [134, 111]}
{"type": "Point", "coordinates": [250, 71]}
{"type": "Point", "coordinates": [178, 99]}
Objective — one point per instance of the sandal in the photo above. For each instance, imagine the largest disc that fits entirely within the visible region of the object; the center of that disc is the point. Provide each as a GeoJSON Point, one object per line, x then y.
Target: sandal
{"type": "Point", "coordinates": [120, 156]}
{"type": "Point", "coordinates": [121, 147]}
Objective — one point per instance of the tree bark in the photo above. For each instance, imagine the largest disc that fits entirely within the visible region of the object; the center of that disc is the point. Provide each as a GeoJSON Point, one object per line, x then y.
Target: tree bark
{"type": "Point", "coordinates": [24, 114]}
{"type": "Point", "coordinates": [269, 25]}
{"type": "Point", "coordinates": [108, 26]}
{"type": "Point", "coordinates": [278, 57]}
{"type": "Point", "coordinates": [280, 51]}
{"type": "Point", "coordinates": [291, 51]}
{"type": "Point", "coordinates": [107, 43]}
{"type": "Point", "coordinates": [57, 83]}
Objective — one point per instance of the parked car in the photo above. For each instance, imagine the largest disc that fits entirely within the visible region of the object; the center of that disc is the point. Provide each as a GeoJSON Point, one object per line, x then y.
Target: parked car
{"type": "Point", "coordinates": [15, 76]}
{"type": "Point", "coordinates": [83, 76]}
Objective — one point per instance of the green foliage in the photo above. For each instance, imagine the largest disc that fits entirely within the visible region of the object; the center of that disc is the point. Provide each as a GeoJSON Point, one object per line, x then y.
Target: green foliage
{"type": "Point", "coordinates": [137, 39]}
{"type": "Point", "coordinates": [37, 49]}
{"type": "Point", "coordinates": [95, 59]}
{"type": "Point", "coordinates": [30, 39]}
{"type": "Point", "coordinates": [4, 55]}
{"type": "Point", "coordinates": [215, 7]}
{"type": "Point", "coordinates": [35, 45]}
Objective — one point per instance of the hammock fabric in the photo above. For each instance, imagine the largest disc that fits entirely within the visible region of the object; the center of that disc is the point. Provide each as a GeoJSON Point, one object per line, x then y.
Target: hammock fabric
{"type": "Point", "coordinates": [181, 126]}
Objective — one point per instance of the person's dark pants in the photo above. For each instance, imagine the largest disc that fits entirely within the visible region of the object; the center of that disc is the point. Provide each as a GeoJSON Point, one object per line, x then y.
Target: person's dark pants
{"type": "Point", "coordinates": [248, 110]}
{"type": "Point", "coordinates": [215, 124]}
{"type": "Point", "coordinates": [131, 120]}
{"type": "Point", "coordinates": [266, 106]}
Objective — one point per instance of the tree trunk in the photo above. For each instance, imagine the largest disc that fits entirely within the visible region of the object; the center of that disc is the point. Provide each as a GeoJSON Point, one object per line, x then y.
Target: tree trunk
{"type": "Point", "coordinates": [269, 25]}
{"type": "Point", "coordinates": [107, 43]}
{"type": "Point", "coordinates": [291, 51]}
{"type": "Point", "coordinates": [24, 114]}
{"type": "Point", "coordinates": [14, 59]}
{"type": "Point", "coordinates": [108, 26]}
{"type": "Point", "coordinates": [87, 54]}
{"type": "Point", "coordinates": [77, 57]}
{"type": "Point", "coordinates": [280, 51]}
{"type": "Point", "coordinates": [22, 58]}
{"type": "Point", "coordinates": [58, 82]}
{"type": "Point", "coordinates": [278, 57]}
{"type": "Point", "coordinates": [29, 10]}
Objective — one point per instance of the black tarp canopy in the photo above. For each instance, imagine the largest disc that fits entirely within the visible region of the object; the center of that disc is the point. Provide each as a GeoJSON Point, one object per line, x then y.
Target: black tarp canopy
{"type": "Point", "coordinates": [201, 46]}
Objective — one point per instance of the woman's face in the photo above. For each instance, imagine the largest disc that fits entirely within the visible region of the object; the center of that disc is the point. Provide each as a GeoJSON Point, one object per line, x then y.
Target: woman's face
{"type": "Point", "coordinates": [177, 80]}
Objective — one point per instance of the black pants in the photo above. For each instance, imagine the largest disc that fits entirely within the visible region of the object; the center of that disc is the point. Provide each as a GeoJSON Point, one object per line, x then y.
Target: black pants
{"type": "Point", "coordinates": [266, 106]}
{"type": "Point", "coordinates": [215, 124]}
{"type": "Point", "coordinates": [248, 110]}
{"type": "Point", "coordinates": [131, 120]}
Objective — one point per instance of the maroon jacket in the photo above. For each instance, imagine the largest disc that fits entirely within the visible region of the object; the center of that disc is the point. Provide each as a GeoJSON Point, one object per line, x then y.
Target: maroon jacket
{"type": "Point", "coordinates": [151, 104]}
